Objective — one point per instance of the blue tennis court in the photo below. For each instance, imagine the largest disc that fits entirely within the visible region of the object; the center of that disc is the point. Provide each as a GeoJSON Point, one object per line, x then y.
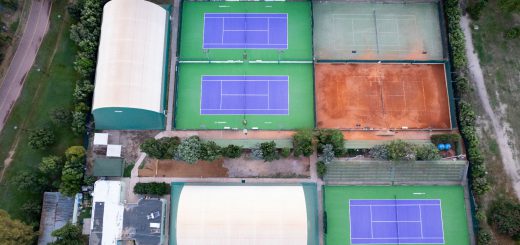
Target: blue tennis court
{"type": "Point", "coordinates": [396, 222]}
{"type": "Point", "coordinates": [245, 31]}
{"type": "Point", "coordinates": [244, 95]}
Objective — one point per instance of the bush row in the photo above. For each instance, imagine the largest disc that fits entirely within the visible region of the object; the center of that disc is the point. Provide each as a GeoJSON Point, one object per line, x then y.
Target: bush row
{"type": "Point", "coordinates": [85, 34]}
{"type": "Point", "coordinates": [152, 188]}
{"type": "Point", "coordinates": [466, 114]}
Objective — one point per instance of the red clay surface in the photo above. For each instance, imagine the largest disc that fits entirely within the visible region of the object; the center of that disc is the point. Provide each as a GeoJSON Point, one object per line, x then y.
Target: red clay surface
{"type": "Point", "coordinates": [382, 96]}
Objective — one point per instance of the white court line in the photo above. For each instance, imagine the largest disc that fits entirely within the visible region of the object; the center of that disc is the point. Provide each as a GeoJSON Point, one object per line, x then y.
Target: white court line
{"type": "Point", "coordinates": [245, 94]}
{"type": "Point", "coordinates": [371, 228]}
{"type": "Point", "coordinates": [221, 94]}
{"type": "Point", "coordinates": [420, 218]}
{"type": "Point", "coordinates": [245, 30]}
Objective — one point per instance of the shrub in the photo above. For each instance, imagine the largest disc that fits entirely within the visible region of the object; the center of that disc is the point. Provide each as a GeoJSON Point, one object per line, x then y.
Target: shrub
{"type": "Point", "coordinates": [321, 169]}
{"type": "Point", "coordinates": [509, 5]}
{"type": "Point", "coordinates": [60, 116]}
{"type": "Point", "coordinates": [169, 146]}
{"type": "Point", "coordinates": [333, 137]}
{"type": "Point", "coordinates": [83, 90]}
{"type": "Point", "coordinates": [302, 143]}
{"type": "Point", "coordinates": [505, 217]}
{"type": "Point", "coordinates": [512, 33]}
{"type": "Point", "coordinates": [231, 151]}
{"type": "Point", "coordinates": [269, 152]}
{"type": "Point", "coordinates": [72, 176]}
{"type": "Point", "coordinates": [462, 85]}
{"type": "Point", "coordinates": [41, 138]}
{"type": "Point", "coordinates": [467, 115]}
{"type": "Point", "coordinates": [445, 138]}
{"type": "Point", "coordinates": [51, 165]}
{"type": "Point", "coordinates": [475, 10]}
{"type": "Point", "coordinates": [427, 152]}
{"type": "Point", "coordinates": [152, 188]}
{"type": "Point", "coordinates": [79, 122]}
{"type": "Point", "coordinates": [285, 152]}
{"type": "Point", "coordinates": [399, 150]}
{"type": "Point", "coordinates": [189, 150]}
{"type": "Point", "coordinates": [480, 185]}
{"type": "Point", "coordinates": [328, 153]}
{"type": "Point", "coordinates": [484, 237]}
{"type": "Point", "coordinates": [209, 151]}
{"type": "Point", "coordinates": [379, 152]}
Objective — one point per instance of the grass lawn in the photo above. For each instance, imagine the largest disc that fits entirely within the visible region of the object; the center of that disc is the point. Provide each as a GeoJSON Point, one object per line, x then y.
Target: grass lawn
{"type": "Point", "coordinates": [43, 91]}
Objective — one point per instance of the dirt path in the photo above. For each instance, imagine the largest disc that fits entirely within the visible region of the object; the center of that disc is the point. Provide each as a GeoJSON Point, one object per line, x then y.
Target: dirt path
{"type": "Point", "coordinates": [502, 138]}
{"type": "Point", "coordinates": [37, 25]}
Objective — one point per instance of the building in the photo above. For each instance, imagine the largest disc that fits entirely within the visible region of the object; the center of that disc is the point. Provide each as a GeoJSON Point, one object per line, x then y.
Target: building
{"type": "Point", "coordinates": [235, 214]}
{"type": "Point", "coordinates": [131, 71]}
{"type": "Point", "coordinates": [114, 221]}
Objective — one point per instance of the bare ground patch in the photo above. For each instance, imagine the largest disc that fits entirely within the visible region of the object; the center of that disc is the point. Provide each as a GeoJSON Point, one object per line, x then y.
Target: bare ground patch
{"type": "Point", "coordinates": [284, 168]}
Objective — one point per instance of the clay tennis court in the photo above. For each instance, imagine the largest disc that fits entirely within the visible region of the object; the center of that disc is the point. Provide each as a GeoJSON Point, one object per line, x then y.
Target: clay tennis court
{"type": "Point", "coordinates": [382, 96]}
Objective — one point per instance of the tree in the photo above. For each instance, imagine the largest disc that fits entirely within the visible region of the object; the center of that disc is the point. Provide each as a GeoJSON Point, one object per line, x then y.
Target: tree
{"type": "Point", "coordinates": [30, 181]}
{"type": "Point", "coordinates": [327, 154]}
{"type": "Point", "coordinates": [51, 165]}
{"type": "Point", "coordinates": [14, 232]}
{"type": "Point", "coordinates": [68, 235]}
{"type": "Point", "coordinates": [302, 143]}
{"type": "Point", "coordinates": [72, 174]}
{"type": "Point", "coordinates": [60, 116]}
{"type": "Point", "coordinates": [41, 138]}
{"type": "Point", "coordinates": [333, 137]}
{"type": "Point", "coordinates": [189, 150]}
{"type": "Point", "coordinates": [31, 211]}
{"type": "Point", "coordinates": [75, 152]}
{"type": "Point", "coordinates": [209, 151]}
{"type": "Point", "coordinates": [169, 146]}
{"type": "Point", "coordinates": [231, 151]}
{"type": "Point", "coordinates": [269, 152]}
{"type": "Point", "coordinates": [399, 150]}
{"type": "Point", "coordinates": [427, 152]}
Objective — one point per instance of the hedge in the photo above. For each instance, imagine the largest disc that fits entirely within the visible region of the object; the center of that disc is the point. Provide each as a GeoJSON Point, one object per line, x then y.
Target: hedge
{"type": "Point", "coordinates": [152, 188]}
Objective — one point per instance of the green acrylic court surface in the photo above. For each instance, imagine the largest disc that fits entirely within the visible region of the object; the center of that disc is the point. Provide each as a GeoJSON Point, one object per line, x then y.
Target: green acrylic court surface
{"type": "Point", "coordinates": [299, 93]}
{"type": "Point", "coordinates": [338, 199]}
{"type": "Point", "coordinates": [299, 30]}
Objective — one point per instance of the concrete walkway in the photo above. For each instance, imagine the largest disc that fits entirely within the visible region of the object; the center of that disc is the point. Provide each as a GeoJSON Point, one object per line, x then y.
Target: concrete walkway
{"type": "Point", "coordinates": [174, 22]}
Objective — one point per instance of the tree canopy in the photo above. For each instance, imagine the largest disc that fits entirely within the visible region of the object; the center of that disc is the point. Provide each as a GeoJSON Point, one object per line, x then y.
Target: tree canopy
{"type": "Point", "coordinates": [14, 232]}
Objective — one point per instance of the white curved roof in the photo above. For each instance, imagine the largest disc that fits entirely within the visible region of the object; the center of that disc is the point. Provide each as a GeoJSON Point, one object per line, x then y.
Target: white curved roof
{"type": "Point", "coordinates": [131, 56]}
{"type": "Point", "coordinates": [238, 215]}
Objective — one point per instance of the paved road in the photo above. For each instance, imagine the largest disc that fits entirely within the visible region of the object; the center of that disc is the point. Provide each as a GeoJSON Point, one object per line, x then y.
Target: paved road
{"type": "Point", "coordinates": [23, 59]}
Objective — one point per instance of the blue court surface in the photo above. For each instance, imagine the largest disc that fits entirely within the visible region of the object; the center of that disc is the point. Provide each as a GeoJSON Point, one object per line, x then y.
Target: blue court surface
{"type": "Point", "coordinates": [245, 31]}
{"type": "Point", "coordinates": [244, 95]}
{"type": "Point", "coordinates": [396, 222]}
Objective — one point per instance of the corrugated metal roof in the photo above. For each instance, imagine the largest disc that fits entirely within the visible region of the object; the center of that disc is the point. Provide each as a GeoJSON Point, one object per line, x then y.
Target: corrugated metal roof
{"type": "Point", "coordinates": [57, 210]}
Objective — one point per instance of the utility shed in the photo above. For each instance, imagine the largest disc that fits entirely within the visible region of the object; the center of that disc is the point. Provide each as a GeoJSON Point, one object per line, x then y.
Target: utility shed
{"type": "Point", "coordinates": [131, 70]}
{"type": "Point", "coordinates": [108, 167]}
{"type": "Point", "coordinates": [57, 210]}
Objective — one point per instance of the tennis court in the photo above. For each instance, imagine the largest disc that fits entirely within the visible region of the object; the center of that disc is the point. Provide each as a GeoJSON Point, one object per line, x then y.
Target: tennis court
{"type": "Point", "coordinates": [245, 31]}
{"type": "Point", "coordinates": [245, 95]}
{"type": "Point", "coordinates": [377, 31]}
{"type": "Point", "coordinates": [220, 31]}
{"type": "Point", "coordinates": [395, 215]}
{"type": "Point", "coordinates": [237, 96]}
{"type": "Point", "coordinates": [382, 96]}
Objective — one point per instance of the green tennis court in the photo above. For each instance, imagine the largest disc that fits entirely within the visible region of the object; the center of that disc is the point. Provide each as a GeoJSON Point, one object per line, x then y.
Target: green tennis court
{"type": "Point", "coordinates": [377, 31]}
{"type": "Point", "coordinates": [297, 36]}
{"type": "Point", "coordinates": [379, 221]}
{"type": "Point", "coordinates": [243, 95]}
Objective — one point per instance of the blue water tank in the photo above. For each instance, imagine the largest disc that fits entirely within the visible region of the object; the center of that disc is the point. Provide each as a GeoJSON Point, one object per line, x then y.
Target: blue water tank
{"type": "Point", "coordinates": [441, 147]}
{"type": "Point", "coordinates": [447, 146]}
